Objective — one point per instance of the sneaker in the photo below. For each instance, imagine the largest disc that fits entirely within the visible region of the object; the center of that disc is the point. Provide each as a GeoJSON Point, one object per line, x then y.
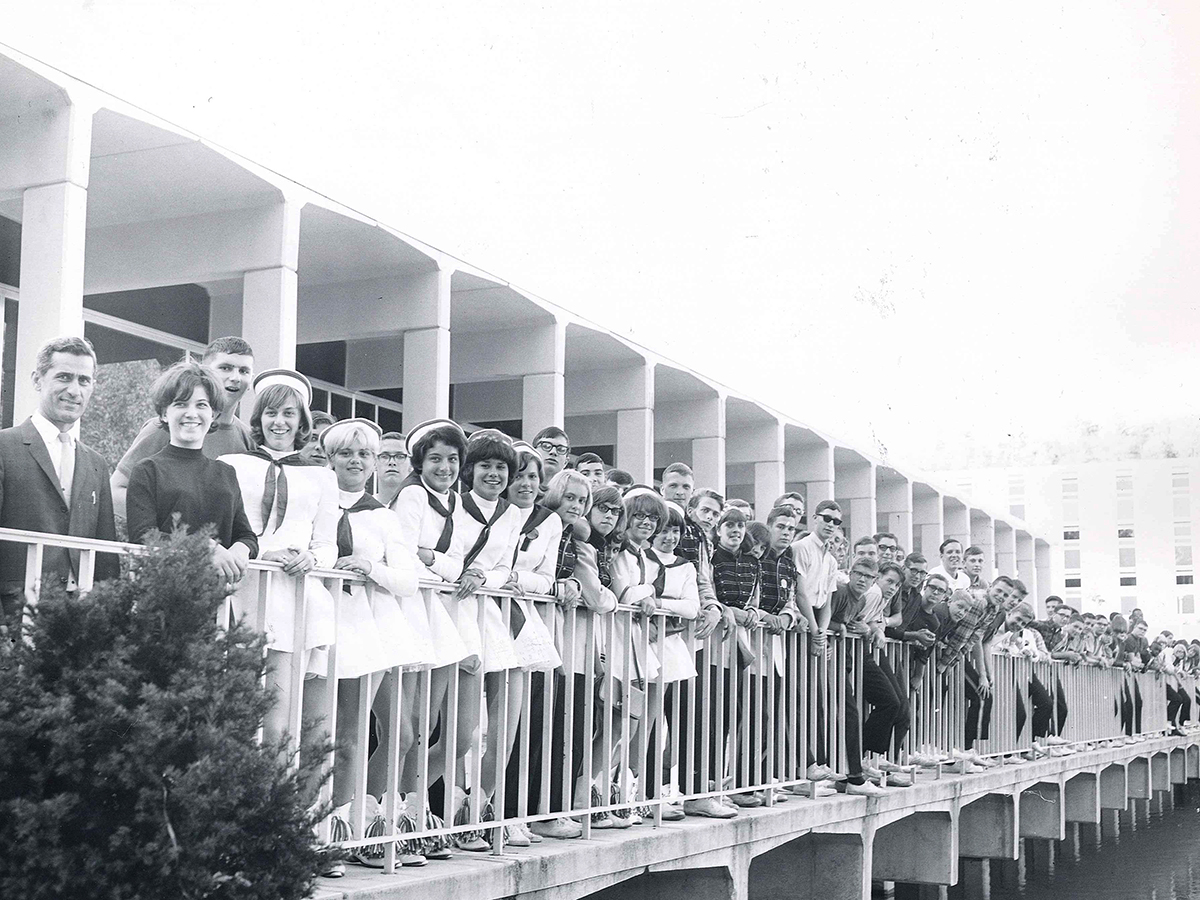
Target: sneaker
{"type": "Point", "coordinates": [872, 773]}
{"type": "Point", "coordinates": [727, 801]}
{"type": "Point", "coordinates": [818, 772]}
{"type": "Point", "coordinates": [562, 829]}
{"type": "Point", "coordinates": [886, 765]}
{"type": "Point", "coordinates": [514, 836]}
{"type": "Point", "coordinates": [823, 789]}
{"type": "Point", "coordinates": [709, 808]}
{"type": "Point", "coordinates": [672, 812]}
{"type": "Point", "coordinates": [746, 801]}
{"type": "Point", "coordinates": [866, 789]}
{"type": "Point", "coordinates": [530, 834]}
{"type": "Point", "coordinates": [899, 779]}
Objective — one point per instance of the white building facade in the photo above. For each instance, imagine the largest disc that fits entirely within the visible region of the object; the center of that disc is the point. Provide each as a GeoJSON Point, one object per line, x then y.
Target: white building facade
{"type": "Point", "coordinates": [1122, 533]}
{"type": "Point", "coordinates": [151, 241]}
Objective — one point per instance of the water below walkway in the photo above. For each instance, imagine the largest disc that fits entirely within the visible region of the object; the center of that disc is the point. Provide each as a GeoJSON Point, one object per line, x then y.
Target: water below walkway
{"type": "Point", "coordinates": [1150, 851]}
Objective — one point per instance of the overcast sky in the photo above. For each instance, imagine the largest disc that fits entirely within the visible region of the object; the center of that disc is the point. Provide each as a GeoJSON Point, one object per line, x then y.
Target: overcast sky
{"type": "Point", "coordinates": [895, 225]}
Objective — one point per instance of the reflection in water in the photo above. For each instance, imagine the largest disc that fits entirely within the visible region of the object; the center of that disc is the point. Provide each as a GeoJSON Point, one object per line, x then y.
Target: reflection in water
{"type": "Point", "coordinates": [1149, 851]}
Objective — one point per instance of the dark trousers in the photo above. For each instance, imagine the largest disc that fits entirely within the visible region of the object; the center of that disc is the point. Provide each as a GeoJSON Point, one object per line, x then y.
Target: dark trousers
{"type": "Point", "coordinates": [979, 709]}
{"type": "Point", "coordinates": [891, 714]}
{"type": "Point", "coordinates": [1179, 705]}
{"type": "Point", "coordinates": [558, 749]}
{"type": "Point", "coordinates": [689, 695]}
{"type": "Point", "coordinates": [1131, 708]}
{"type": "Point", "coordinates": [1045, 720]}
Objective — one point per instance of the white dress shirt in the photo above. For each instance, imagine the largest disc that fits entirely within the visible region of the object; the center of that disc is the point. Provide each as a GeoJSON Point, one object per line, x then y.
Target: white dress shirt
{"type": "Point", "coordinates": [49, 433]}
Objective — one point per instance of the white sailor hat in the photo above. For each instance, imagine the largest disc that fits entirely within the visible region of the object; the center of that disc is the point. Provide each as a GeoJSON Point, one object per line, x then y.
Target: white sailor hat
{"type": "Point", "coordinates": [427, 426]}
{"type": "Point", "coordinates": [481, 433]}
{"type": "Point", "coordinates": [525, 447]}
{"type": "Point", "coordinates": [337, 427]}
{"type": "Point", "coordinates": [672, 505]}
{"type": "Point", "coordinates": [638, 490]}
{"type": "Point", "coordinates": [288, 378]}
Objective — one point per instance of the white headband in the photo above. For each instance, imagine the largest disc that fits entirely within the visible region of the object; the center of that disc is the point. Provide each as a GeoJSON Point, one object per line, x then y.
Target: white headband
{"type": "Point", "coordinates": [332, 429]}
{"type": "Point", "coordinates": [425, 427]}
{"type": "Point", "coordinates": [639, 490]}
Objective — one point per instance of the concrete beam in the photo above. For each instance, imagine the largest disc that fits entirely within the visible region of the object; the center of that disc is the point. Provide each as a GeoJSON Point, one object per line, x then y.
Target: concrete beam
{"type": "Point", "coordinates": [427, 351]}
{"type": "Point", "coordinates": [506, 354]}
{"type": "Point", "coordinates": [607, 390]}
{"type": "Point", "coordinates": [679, 420]}
{"type": "Point", "coordinates": [1179, 766]}
{"type": "Point", "coordinates": [1193, 761]}
{"type": "Point", "coordinates": [206, 247]}
{"type": "Point", "coordinates": [1082, 794]}
{"type": "Point", "coordinates": [1137, 773]}
{"type": "Point", "coordinates": [49, 143]}
{"type": "Point", "coordinates": [988, 828]}
{"type": "Point", "coordinates": [691, 884]}
{"type": "Point", "coordinates": [811, 867]}
{"type": "Point", "coordinates": [918, 849]}
{"type": "Point", "coordinates": [376, 306]}
{"type": "Point", "coordinates": [1043, 812]}
{"type": "Point", "coordinates": [1113, 788]}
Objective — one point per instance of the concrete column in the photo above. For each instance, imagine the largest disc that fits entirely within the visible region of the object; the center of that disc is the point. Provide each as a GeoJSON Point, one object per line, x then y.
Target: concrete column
{"type": "Point", "coordinates": [543, 391]}
{"type": "Point", "coordinates": [811, 465]}
{"type": "Point", "coordinates": [894, 496]}
{"type": "Point", "coordinates": [1026, 571]}
{"type": "Point", "coordinates": [983, 534]}
{"type": "Point", "coordinates": [956, 523]}
{"type": "Point", "coordinates": [708, 463]}
{"type": "Point", "coordinates": [854, 485]}
{"type": "Point", "coordinates": [1083, 798]}
{"type": "Point", "coordinates": [427, 353]}
{"type": "Point", "coordinates": [1041, 562]}
{"type": "Point", "coordinates": [762, 445]}
{"type": "Point", "coordinates": [987, 828]}
{"type": "Point", "coordinates": [46, 161]}
{"type": "Point", "coordinates": [700, 420]}
{"type": "Point", "coordinates": [769, 483]}
{"type": "Point", "coordinates": [635, 443]}
{"type": "Point", "coordinates": [269, 316]}
{"type": "Point", "coordinates": [1137, 778]}
{"type": "Point", "coordinates": [927, 521]}
{"type": "Point", "coordinates": [918, 849]}
{"type": "Point", "coordinates": [1006, 549]}
{"type": "Point", "coordinates": [1113, 793]}
{"type": "Point", "coordinates": [1042, 812]}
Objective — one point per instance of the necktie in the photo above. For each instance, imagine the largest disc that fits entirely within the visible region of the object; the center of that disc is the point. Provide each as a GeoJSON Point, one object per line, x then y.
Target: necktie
{"type": "Point", "coordinates": [66, 464]}
{"type": "Point", "coordinates": [345, 535]}
{"type": "Point", "coordinates": [275, 487]}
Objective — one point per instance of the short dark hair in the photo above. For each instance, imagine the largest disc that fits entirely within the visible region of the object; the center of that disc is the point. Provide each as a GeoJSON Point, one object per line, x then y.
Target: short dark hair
{"type": "Point", "coordinates": [550, 433]}
{"type": "Point", "coordinates": [76, 346]}
{"type": "Point", "coordinates": [705, 494]}
{"type": "Point", "coordinates": [915, 558]}
{"type": "Point", "coordinates": [393, 436]}
{"type": "Point", "coordinates": [484, 445]}
{"type": "Point", "coordinates": [179, 382]}
{"type": "Point", "coordinates": [322, 419]}
{"type": "Point", "coordinates": [1020, 586]}
{"type": "Point", "coordinates": [273, 397]}
{"type": "Point", "coordinates": [881, 535]}
{"type": "Point", "coordinates": [826, 504]}
{"type": "Point", "coordinates": [1004, 580]}
{"type": "Point", "coordinates": [232, 345]}
{"type": "Point", "coordinates": [732, 514]}
{"type": "Point", "coordinates": [780, 512]}
{"type": "Point", "coordinates": [946, 543]}
{"type": "Point", "coordinates": [619, 476]}
{"type": "Point", "coordinates": [789, 495]}
{"type": "Point", "coordinates": [892, 567]}
{"type": "Point", "coordinates": [865, 562]}
{"type": "Point", "coordinates": [1054, 598]}
{"type": "Point", "coordinates": [756, 532]}
{"type": "Point", "coordinates": [973, 550]}
{"type": "Point", "coordinates": [940, 577]}
{"type": "Point", "coordinates": [611, 496]}
{"type": "Point", "coordinates": [588, 458]}
{"type": "Point", "coordinates": [443, 434]}
{"type": "Point", "coordinates": [864, 540]}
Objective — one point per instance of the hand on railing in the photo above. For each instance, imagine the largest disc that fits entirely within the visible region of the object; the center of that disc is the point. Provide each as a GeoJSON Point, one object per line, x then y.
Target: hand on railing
{"type": "Point", "coordinates": [470, 581]}
{"type": "Point", "coordinates": [295, 561]}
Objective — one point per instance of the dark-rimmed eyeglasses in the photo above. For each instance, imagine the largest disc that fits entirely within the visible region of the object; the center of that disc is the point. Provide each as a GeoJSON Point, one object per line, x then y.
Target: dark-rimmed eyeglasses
{"type": "Point", "coordinates": [392, 457]}
{"type": "Point", "coordinates": [556, 449]}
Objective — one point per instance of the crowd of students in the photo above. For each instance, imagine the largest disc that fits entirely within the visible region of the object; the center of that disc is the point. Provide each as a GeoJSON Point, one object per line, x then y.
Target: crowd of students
{"type": "Point", "coordinates": [486, 512]}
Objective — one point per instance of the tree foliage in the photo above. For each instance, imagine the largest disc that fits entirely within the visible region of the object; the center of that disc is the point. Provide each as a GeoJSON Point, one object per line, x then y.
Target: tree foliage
{"type": "Point", "coordinates": [129, 761]}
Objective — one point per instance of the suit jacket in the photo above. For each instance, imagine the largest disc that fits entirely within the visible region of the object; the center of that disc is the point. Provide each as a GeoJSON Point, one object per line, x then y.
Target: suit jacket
{"type": "Point", "coordinates": [31, 498]}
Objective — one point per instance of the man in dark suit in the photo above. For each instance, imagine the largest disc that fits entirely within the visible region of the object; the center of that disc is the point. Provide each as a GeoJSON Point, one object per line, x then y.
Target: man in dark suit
{"type": "Point", "coordinates": [51, 482]}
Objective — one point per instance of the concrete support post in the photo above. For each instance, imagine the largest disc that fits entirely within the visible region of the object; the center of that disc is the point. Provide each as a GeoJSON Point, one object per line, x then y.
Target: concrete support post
{"type": "Point", "coordinates": [927, 522]}
{"type": "Point", "coordinates": [759, 445]}
{"type": "Point", "coordinates": [956, 524]}
{"type": "Point", "coordinates": [1042, 812]}
{"type": "Point", "coordinates": [543, 394]}
{"type": "Point", "coordinates": [1193, 761]}
{"type": "Point", "coordinates": [918, 849]}
{"type": "Point", "coordinates": [427, 353]}
{"type": "Point", "coordinates": [708, 462]}
{"type": "Point", "coordinates": [1041, 562]}
{"type": "Point", "coordinates": [769, 483]}
{"type": "Point", "coordinates": [1113, 791]}
{"type": "Point", "coordinates": [854, 485]}
{"type": "Point", "coordinates": [269, 316]}
{"type": "Point", "coordinates": [1160, 772]}
{"type": "Point", "coordinates": [810, 464]}
{"type": "Point", "coordinates": [1006, 549]}
{"type": "Point", "coordinates": [1026, 570]}
{"type": "Point", "coordinates": [894, 497]}
{"type": "Point", "coordinates": [983, 535]}
{"type": "Point", "coordinates": [987, 828]}
{"type": "Point", "coordinates": [1137, 775]}
{"type": "Point", "coordinates": [1179, 766]}
{"type": "Point", "coordinates": [1083, 798]}
{"type": "Point", "coordinates": [635, 443]}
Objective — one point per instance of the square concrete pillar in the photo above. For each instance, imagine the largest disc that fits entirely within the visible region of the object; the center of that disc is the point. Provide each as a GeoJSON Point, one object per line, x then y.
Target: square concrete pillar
{"type": "Point", "coordinates": [769, 483]}
{"type": "Point", "coordinates": [1006, 549]}
{"type": "Point", "coordinates": [700, 420]}
{"type": "Point", "coordinates": [1045, 584]}
{"type": "Point", "coordinates": [635, 443]}
{"type": "Point", "coordinates": [708, 463]}
{"type": "Point", "coordinates": [956, 523]}
{"type": "Point", "coordinates": [426, 375]}
{"type": "Point", "coordinates": [1042, 812]}
{"type": "Point", "coordinates": [983, 535]}
{"type": "Point", "coordinates": [1083, 798]}
{"type": "Point", "coordinates": [45, 160]}
{"type": "Point", "coordinates": [894, 499]}
{"type": "Point", "coordinates": [1137, 774]}
{"type": "Point", "coordinates": [1113, 790]}
{"type": "Point", "coordinates": [987, 828]}
{"type": "Point", "coordinates": [269, 316]}
{"type": "Point", "coordinates": [927, 521]}
{"type": "Point", "coordinates": [918, 849]}
{"type": "Point", "coordinates": [1160, 772]}
{"type": "Point", "coordinates": [1026, 570]}
{"type": "Point", "coordinates": [854, 488]}
{"type": "Point", "coordinates": [541, 403]}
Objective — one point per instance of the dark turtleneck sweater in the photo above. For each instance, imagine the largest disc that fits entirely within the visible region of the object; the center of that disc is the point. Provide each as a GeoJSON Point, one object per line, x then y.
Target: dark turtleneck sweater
{"type": "Point", "coordinates": [202, 491]}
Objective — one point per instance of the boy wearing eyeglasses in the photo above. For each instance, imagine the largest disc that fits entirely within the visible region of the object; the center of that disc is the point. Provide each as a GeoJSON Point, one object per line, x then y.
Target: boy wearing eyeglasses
{"type": "Point", "coordinates": [554, 447]}
{"type": "Point", "coordinates": [393, 467]}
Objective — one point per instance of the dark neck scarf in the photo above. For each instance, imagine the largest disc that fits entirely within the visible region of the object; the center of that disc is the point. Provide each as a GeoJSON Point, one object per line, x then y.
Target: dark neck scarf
{"type": "Point", "coordinates": [275, 488]}
{"type": "Point", "coordinates": [345, 534]}
{"type": "Point", "coordinates": [473, 510]}
{"type": "Point", "coordinates": [568, 556]}
{"type": "Point", "coordinates": [660, 579]}
{"type": "Point", "coordinates": [435, 503]}
{"type": "Point", "coordinates": [537, 516]}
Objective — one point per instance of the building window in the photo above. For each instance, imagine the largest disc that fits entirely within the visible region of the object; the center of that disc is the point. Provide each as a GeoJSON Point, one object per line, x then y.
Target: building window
{"type": "Point", "coordinates": [1124, 484]}
{"type": "Point", "coordinates": [1126, 532]}
{"type": "Point", "coordinates": [1127, 557]}
{"type": "Point", "coordinates": [1187, 604]}
{"type": "Point", "coordinates": [1128, 580]}
{"type": "Point", "coordinates": [1071, 535]}
{"type": "Point", "coordinates": [1181, 482]}
{"type": "Point", "coordinates": [1070, 559]}
{"type": "Point", "coordinates": [1183, 579]}
{"type": "Point", "coordinates": [1070, 498]}
{"type": "Point", "coordinates": [1076, 582]}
